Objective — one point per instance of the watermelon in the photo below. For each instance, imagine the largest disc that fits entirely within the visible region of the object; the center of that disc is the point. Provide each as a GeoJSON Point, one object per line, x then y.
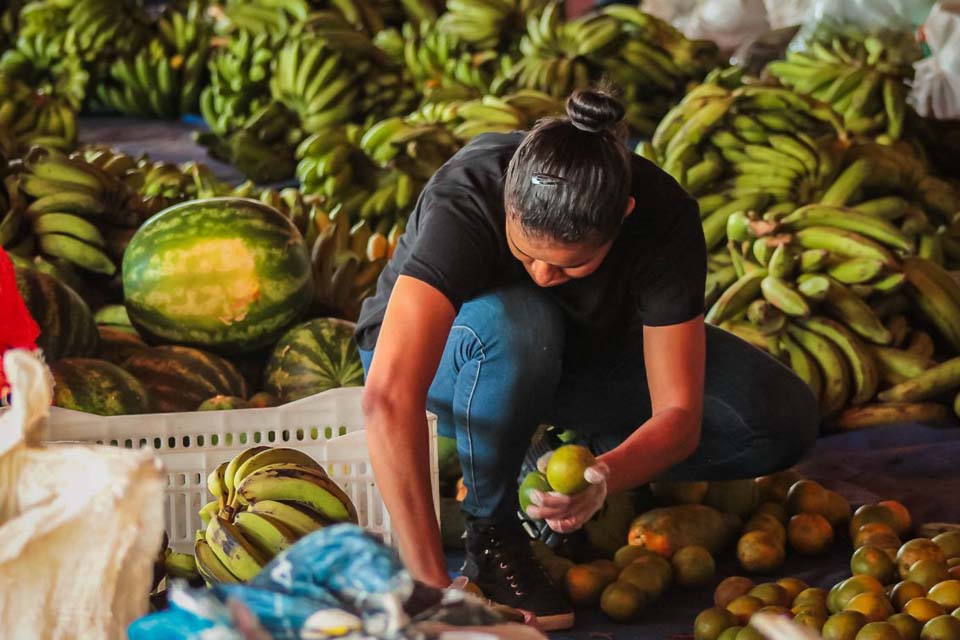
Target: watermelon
{"type": "Point", "coordinates": [225, 274]}
{"type": "Point", "coordinates": [180, 378]}
{"type": "Point", "coordinates": [223, 403]}
{"type": "Point", "coordinates": [118, 345]}
{"type": "Point", "coordinates": [313, 357]}
{"type": "Point", "coordinates": [66, 324]}
{"type": "Point", "coordinates": [97, 386]}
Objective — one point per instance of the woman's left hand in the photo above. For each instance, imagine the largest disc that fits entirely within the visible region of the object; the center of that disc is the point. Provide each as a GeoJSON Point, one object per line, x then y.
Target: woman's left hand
{"type": "Point", "coordinates": [565, 514]}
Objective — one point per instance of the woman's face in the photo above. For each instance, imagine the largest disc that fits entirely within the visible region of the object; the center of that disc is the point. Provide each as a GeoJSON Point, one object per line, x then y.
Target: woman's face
{"type": "Point", "coordinates": [551, 262]}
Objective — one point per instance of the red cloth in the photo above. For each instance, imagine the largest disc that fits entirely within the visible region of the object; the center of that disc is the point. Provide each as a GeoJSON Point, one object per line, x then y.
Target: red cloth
{"type": "Point", "coordinates": [18, 330]}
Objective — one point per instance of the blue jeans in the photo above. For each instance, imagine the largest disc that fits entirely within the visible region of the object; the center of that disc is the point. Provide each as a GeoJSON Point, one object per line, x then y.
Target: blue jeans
{"type": "Point", "coordinates": [502, 373]}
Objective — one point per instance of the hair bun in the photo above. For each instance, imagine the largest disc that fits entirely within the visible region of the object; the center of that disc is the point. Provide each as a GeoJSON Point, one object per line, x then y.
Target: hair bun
{"type": "Point", "coordinates": [594, 110]}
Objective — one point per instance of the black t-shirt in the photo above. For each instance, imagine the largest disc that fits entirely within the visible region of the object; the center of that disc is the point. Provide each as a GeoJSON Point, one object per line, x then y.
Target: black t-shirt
{"type": "Point", "coordinates": [455, 241]}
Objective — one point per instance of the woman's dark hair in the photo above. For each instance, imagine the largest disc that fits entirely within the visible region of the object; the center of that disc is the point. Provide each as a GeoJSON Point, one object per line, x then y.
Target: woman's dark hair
{"type": "Point", "coordinates": [569, 179]}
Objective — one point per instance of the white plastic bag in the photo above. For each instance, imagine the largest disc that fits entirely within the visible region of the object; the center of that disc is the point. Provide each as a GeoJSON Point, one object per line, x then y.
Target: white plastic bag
{"type": "Point", "coordinates": [729, 23]}
{"type": "Point", "coordinates": [80, 526]}
{"type": "Point", "coordinates": [936, 84]}
{"type": "Point", "coordinates": [787, 13]}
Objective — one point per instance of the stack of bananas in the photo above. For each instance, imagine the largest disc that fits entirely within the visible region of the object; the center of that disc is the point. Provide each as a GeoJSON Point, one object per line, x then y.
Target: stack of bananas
{"type": "Point", "coordinates": [265, 499]}
{"type": "Point", "coordinates": [378, 173]}
{"type": "Point", "coordinates": [347, 260]}
{"type": "Point", "coordinates": [333, 167]}
{"type": "Point", "coordinates": [281, 17]}
{"type": "Point", "coordinates": [259, 17]}
{"type": "Point", "coordinates": [439, 64]}
{"type": "Point", "coordinates": [78, 212]}
{"type": "Point", "coordinates": [894, 181]}
{"type": "Point", "coordinates": [164, 78]}
{"type": "Point", "coordinates": [103, 30]}
{"type": "Point", "coordinates": [555, 53]}
{"type": "Point", "coordinates": [318, 82]}
{"type": "Point", "coordinates": [325, 73]}
{"type": "Point", "coordinates": [835, 294]}
{"type": "Point", "coordinates": [239, 81]}
{"type": "Point", "coordinates": [159, 184]}
{"type": "Point", "coordinates": [262, 148]}
{"type": "Point", "coordinates": [31, 118]}
{"type": "Point", "coordinates": [756, 147]}
{"type": "Point", "coordinates": [490, 25]}
{"type": "Point", "coordinates": [40, 62]}
{"type": "Point", "coordinates": [653, 65]}
{"type": "Point", "coordinates": [863, 76]}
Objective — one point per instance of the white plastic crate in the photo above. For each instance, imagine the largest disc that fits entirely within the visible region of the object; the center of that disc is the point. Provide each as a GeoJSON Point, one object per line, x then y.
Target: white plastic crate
{"type": "Point", "coordinates": [327, 426]}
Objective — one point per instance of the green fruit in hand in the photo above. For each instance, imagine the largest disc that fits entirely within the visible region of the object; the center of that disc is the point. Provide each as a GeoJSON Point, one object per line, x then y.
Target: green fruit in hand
{"type": "Point", "coordinates": [566, 467]}
{"type": "Point", "coordinates": [535, 481]}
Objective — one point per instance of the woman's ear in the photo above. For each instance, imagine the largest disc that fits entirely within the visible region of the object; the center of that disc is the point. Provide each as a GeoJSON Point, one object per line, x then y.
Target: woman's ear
{"type": "Point", "coordinates": [631, 204]}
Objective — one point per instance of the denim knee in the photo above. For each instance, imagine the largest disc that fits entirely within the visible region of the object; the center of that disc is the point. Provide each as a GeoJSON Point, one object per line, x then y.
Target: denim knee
{"type": "Point", "coordinates": [518, 322]}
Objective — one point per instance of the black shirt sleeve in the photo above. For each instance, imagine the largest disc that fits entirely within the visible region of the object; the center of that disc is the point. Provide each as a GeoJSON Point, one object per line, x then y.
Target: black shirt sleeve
{"type": "Point", "coordinates": [456, 248]}
{"type": "Point", "coordinates": [668, 288]}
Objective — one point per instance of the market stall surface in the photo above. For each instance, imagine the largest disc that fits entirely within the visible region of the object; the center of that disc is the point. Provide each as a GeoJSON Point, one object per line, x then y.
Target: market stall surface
{"type": "Point", "coordinates": [913, 463]}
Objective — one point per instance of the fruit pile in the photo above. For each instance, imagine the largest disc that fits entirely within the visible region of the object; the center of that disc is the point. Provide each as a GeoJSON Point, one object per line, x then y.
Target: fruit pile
{"type": "Point", "coordinates": [827, 252]}
{"type": "Point", "coordinates": [861, 75]}
{"type": "Point", "coordinates": [898, 591]}
{"type": "Point", "coordinates": [912, 584]}
{"type": "Point", "coordinates": [265, 499]}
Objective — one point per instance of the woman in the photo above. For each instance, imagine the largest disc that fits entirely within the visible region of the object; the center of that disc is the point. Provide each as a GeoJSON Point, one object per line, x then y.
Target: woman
{"type": "Point", "coordinates": [556, 277]}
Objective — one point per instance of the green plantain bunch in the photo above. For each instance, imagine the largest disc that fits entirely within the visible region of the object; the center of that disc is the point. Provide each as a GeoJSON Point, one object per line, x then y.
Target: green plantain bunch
{"type": "Point", "coordinates": [863, 76]}
{"type": "Point", "coordinates": [165, 77]}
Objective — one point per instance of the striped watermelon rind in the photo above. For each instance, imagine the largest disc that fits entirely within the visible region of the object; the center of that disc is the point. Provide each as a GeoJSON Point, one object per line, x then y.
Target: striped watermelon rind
{"type": "Point", "coordinates": [313, 357]}
{"type": "Point", "coordinates": [97, 386]}
{"type": "Point", "coordinates": [66, 325]}
{"type": "Point", "coordinates": [118, 345]}
{"type": "Point", "coordinates": [225, 274]}
{"type": "Point", "coordinates": [180, 378]}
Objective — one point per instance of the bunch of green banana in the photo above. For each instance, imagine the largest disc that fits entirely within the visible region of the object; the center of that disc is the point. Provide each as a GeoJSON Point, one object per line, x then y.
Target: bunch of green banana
{"type": "Point", "coordinates": [835, 293]}
{"type": "Point", "coordinates": [78, 212]}
{"type": "Point", "coordinates": [556, 55]}
{"type": "Point", "coordinates": [437, 59]}
{"type": "Point", "coordinates": [347, 261]}
{"type": "Point", "coordinates": [163, 79]}
{"type": "Point", "coordinates": [755, 147]}
{"type": "Point", "coordinates": [41, 63]}
{"type": "Point", "coordinates": [333, 167]}
{"type": "Point", "coordinates": [862, 76]}
{"type": "Point", "coordinates": [102, 30]}
{"type": "Point", "coordinates": [263, 147]}
{"type": "Point", "coordinates": [260, 17]}
{"type": "Point", "coordinates": [265, 499]}
{"type": "Point", "coordinates": [29, 19]}
{"type": "Point", "coordinates": [495, 25]}
{"type": "Point", "coordinates": [28, 118]}
{"type": "Point", "coordinates": [893, 181]}
{"type": "Point", "coordinates": [319, 82]}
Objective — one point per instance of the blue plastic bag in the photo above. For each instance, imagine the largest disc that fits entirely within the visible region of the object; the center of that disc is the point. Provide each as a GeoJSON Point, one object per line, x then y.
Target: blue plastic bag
{"type": "Point", "coordinates": [339, 567]}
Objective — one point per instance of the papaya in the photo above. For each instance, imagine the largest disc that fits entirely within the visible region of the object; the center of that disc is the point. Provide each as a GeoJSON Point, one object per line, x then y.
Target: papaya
{"type": "Point", "coordinates": [668, 529]}
{"type": "Point", "coordinates": [739, 497]}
